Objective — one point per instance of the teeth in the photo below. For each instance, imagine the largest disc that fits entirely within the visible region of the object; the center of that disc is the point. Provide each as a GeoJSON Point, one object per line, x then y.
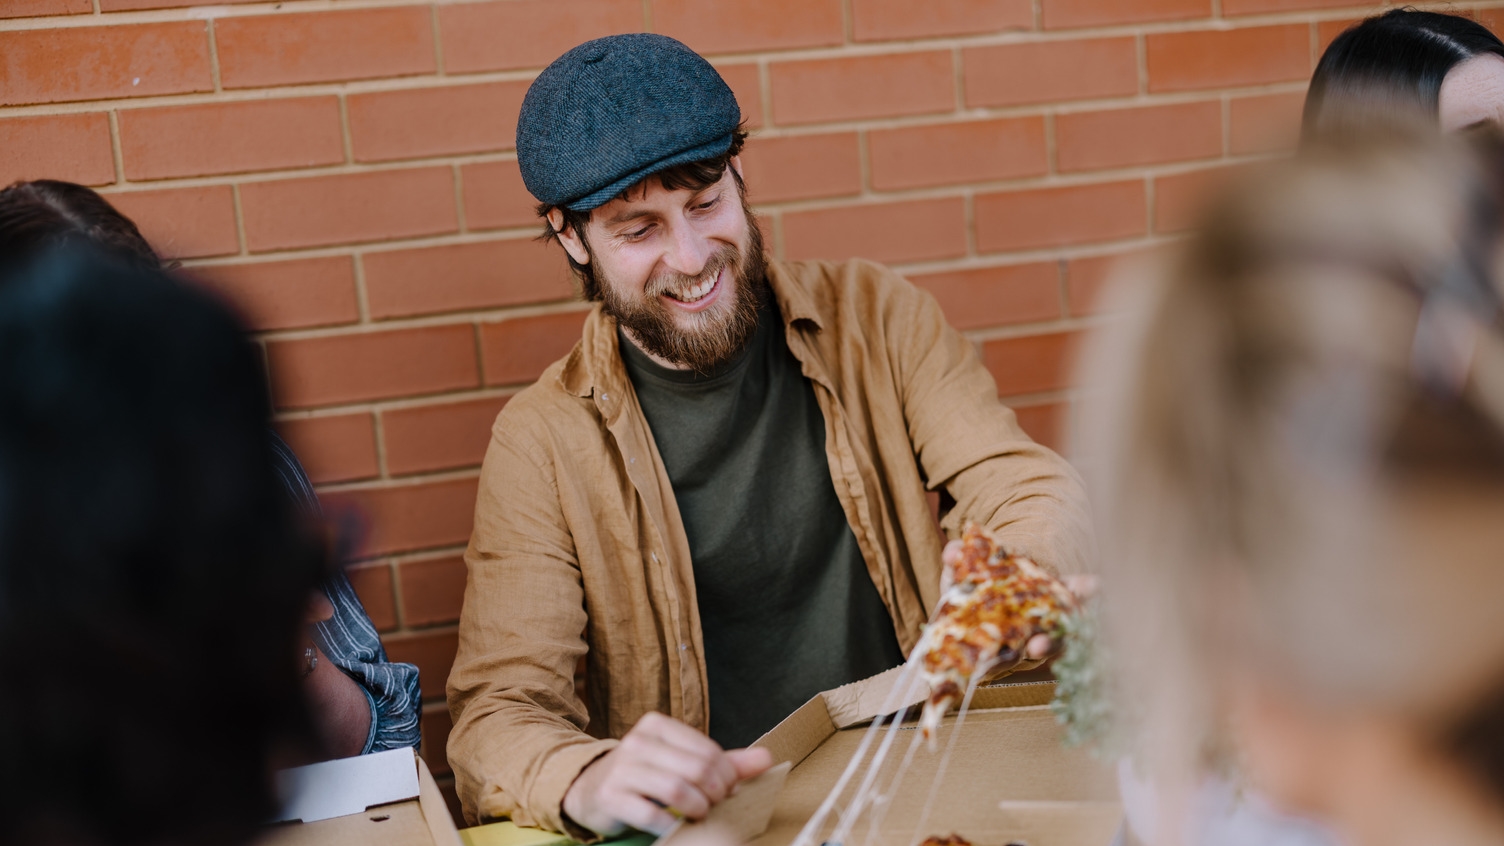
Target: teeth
{"type": "Point", "coordinates": [696, 293]}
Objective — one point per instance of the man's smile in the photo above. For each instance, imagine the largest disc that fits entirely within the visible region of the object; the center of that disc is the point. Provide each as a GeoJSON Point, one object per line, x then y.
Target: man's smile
{"type": "Point", "coordinates": [700, 295]}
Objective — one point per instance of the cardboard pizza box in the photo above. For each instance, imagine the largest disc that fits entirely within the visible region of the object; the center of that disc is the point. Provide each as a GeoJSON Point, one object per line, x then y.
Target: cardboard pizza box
{"type": "Point", "coordinates": [1008, 781]}
{"type": "Point", "coordinates": [385, 799]}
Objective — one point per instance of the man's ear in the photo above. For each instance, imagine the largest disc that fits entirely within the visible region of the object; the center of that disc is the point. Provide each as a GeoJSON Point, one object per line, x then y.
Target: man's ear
{"type": "Point", "coordinates": [736, 165]}
{"type": "Point", "coordinates": [571, 240]}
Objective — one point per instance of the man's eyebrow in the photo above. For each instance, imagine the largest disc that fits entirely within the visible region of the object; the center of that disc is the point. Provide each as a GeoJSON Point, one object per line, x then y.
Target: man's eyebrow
{"type": "Point", "coordinates": [625, 216]}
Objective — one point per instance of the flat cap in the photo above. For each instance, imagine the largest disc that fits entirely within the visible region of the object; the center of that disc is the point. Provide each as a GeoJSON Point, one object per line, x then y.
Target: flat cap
{"type": "Point", "coordinates": [618, 109]}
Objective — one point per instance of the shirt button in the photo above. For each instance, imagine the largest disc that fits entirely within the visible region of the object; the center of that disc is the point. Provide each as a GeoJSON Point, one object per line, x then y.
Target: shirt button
{"type": "Point", "coordinates": [655, 557]}
{"type": "Point", "coordinates": [606, 397]}
{"type": "Point", "coordinates": [631, 461]}
{"type": "Point", "coordinates": [683, 647]}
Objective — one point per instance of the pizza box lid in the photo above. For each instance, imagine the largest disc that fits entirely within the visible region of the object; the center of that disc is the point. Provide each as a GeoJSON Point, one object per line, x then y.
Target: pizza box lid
{"type": "Point", "coordinates": [384, 799]}
{"type": "Point", "coordinates": [1008, 779]}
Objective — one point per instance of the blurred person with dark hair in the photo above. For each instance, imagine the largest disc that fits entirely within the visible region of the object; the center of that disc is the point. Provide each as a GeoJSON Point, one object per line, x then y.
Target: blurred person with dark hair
{"type": "Point", "coordinates": [363, 702]}
{"type": "Point", "coordinates": [154, 575]}
{"type": "Point", "coordinates": [717, 500]}
{"type": "Point", "coordinates": [1435, 66]}
{"type": "Point", "coordinates": [1296, 438]}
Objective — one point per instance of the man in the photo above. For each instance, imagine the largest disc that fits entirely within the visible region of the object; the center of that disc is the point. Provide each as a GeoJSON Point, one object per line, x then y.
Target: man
{"type": "Point", "coordinates": [716, 501]}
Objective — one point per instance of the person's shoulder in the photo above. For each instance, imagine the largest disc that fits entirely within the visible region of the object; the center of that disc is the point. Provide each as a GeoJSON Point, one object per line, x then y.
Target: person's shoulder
{"type": "Point", "coordinates": [856, 288]}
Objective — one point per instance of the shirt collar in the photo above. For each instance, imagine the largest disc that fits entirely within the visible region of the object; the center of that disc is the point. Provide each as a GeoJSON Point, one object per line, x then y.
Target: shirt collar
{"type": "Point", "coordinates": [594, 366]}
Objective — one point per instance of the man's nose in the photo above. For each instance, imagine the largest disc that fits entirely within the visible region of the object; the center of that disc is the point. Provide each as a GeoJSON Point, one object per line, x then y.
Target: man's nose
{"type": "Point", "coordinates": [688, 251]}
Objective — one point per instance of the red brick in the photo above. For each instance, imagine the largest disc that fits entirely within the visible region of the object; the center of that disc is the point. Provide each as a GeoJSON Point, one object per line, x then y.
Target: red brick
{"type": "Point", "coordinates": [288, 294]}
{"type": "Point", "coordinates": [511, 34]}
{"type": "Point", "coordinates": [373, 584]}
{"type": "Point", "coordinates": [433, 590]}
{"type": "Point", "coordinates": [862, 87]}
{"type": "Point", "coordinates": [264, 50]}
{"type": "Point", "coordinates": [885, 20]}
{"type": "Point", "coordinates": [461, 277]}
{"type": "Point", "coordinates": [496, 198]}
{"type": "Point", "coordinates": [913, 230]}
{"type": "Point", "coordinates": [42, 8]}
{"type": "Point", "coordinates": [102, 62]}
{"type": "Point", "coordinates": [1491, 18]}
{"type": "Point", "coordinates": [418, 122]}
{"type": "Point", "coordinates": [372, 365]}
{"type": "Point", "coordinates": [1139, 136]}
{"type": "Point", "coordinates": [1044, 72]}
{"type": "Point", "coordinates": [340, 448]}
{"type": "Point", "coordinates": [134, 5]}
{"type": "Point", "coordinates": [1327, 32]}
{"type": "Point", "coordinates": [800, 167]}
{"type": "Point", "coordinates": [1256, 7]}
{"type": "Point", "coordinates": [1185, 61]}
{"type": "Point", "coordinates": [715, 26]}
{"type": "Point", "coordinates": [230, 137]}
{"type": "Point", "coordinates": [1085, 279]}
{"type": "Point", "coordinates": [1063, 14]}
{"type": "Point", "coordinates": [996, 296]}
{"type": "Point", "coordinates": [745, 82]}
{"type": "Point", "coordinates": [436, 726]}
{"type": "Point", "coordinates": [433, 652]}
{"type": "Point", "coordinates": [348, 208]}
{"type": "Point", "coordinates": [75, 148]}
{"type": "Point", "coordinates": [951, 153]}
{"type": "Point", "coordinates": [518, 350]}
{"type": "Point", "coordinates": [1044, 423]}
{"type": "Point", "coordinates": [184, 222]}
{"type": "Point", "coordinates": [1265, 122]}
{"type": "Point", "coordinates": [438, 437]}
{"type": "Point", "coordinates": [1031, 364]}
{"type": "Point", "coordinates": [1179, 198]}
{"type": "Point", "coordinates": [406, 518]}
{"type": "Point", "coordinates": [1052, 217]}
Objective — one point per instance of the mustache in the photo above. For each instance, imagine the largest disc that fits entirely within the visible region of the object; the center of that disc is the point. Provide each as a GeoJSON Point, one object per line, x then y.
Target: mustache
{"type": "Point", "coordinates": [664, 283]}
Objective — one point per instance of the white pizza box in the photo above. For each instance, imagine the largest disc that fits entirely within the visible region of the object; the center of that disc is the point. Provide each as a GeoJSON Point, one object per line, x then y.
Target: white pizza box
{"type": "Point", "coordinates": [384, 799]}
{"type": "Point", "coordinates": [1008, 781]}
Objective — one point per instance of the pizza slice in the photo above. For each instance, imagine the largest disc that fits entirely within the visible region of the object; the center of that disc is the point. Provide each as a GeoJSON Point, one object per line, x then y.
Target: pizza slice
{"type": "Point", "coordinates": [995, 604]}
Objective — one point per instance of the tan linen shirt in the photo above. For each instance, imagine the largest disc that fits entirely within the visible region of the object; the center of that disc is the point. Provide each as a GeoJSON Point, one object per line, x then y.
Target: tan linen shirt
{"type": "Point", "coordinates": [578, 548]}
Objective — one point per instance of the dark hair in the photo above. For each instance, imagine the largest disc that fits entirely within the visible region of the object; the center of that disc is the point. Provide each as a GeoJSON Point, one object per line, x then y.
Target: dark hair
{"type": "Point", "coordinates": [1392, 62]}
{"type": "Point", "coordinates": [694, 176]}
{"type": "Point", "coordinates": [154, 575]}
{"type": "Point", "coordinates": [47, 213]}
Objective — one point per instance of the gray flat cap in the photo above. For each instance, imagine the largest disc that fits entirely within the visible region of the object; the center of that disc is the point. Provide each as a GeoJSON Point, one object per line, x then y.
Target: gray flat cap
{"type": "Point", "coordinates": [615, 110]}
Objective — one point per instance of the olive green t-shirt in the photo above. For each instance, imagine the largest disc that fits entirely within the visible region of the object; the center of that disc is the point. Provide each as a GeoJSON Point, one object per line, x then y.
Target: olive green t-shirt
{"type": "Point", "coordinates": [787, 607]}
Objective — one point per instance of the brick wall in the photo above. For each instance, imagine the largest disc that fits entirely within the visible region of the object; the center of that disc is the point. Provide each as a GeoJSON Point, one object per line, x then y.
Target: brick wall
{"type": "Point", "coordinates": [343, 170]}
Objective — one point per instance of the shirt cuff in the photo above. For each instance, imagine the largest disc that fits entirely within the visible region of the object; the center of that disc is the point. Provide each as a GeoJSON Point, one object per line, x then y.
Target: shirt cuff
{"type": "Point", "coordinates": [557, 776]}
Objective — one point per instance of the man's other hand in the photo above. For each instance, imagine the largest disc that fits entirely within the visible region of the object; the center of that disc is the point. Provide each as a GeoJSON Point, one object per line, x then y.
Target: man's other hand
{"type": "Point", "coordinates": [1040, 648]}
{"type": "Point", "coordinates": [661, 767]}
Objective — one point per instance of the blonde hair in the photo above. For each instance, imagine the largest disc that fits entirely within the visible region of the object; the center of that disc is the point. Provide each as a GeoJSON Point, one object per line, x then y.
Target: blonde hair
{"type": "Point", "coordinates": [1284, 423]}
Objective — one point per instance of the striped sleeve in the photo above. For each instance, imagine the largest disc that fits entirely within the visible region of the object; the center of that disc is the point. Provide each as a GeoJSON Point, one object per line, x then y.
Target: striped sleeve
{"type": "Point", "coordinates": [350, 640]}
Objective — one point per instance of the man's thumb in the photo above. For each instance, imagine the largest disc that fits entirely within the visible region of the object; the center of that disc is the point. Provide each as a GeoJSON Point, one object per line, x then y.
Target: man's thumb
{"type": "Point", "coordinates": [750, 762]}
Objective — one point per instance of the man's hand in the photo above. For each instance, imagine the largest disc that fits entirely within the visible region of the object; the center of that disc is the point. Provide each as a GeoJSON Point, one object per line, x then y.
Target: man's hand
{"type": "Point", "coordinates": [662, 765]}
{"type": "Point", "coordinates": [1040, 648]}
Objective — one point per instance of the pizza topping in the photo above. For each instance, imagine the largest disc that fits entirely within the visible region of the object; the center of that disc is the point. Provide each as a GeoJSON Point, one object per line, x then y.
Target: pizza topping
{"type": "Point", "coordinates": [995, 604]}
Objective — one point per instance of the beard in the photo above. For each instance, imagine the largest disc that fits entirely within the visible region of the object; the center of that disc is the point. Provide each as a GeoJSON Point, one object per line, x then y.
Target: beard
{"type": "Point", "coordinates": [716, 335]}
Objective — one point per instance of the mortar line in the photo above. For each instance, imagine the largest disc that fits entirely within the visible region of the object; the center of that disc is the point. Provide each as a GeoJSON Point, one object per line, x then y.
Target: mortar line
{"type": "Point", "coordinates": [647, 15]}
{"type": "Point", "coordinates": [438, 42]}
{"type": "Point", "coordinates": [245, 244]}
{"type": "Point", "coordinates": [116, 153]}
{"type": "Point", "coordinates": [378, 427]}
{"type": "Point", "coordinates": [1062, 285]}
{"type": "Point", "coordinates": [347, 139]}
{"type": "Point", "coordinates": [214, 58]}
{"type": "Point", "coordinates": [459, 199]}
{"type": "Point", "coordinates": [362, 297]}
{"type": "Point", "coordinates": [1226, 114]}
